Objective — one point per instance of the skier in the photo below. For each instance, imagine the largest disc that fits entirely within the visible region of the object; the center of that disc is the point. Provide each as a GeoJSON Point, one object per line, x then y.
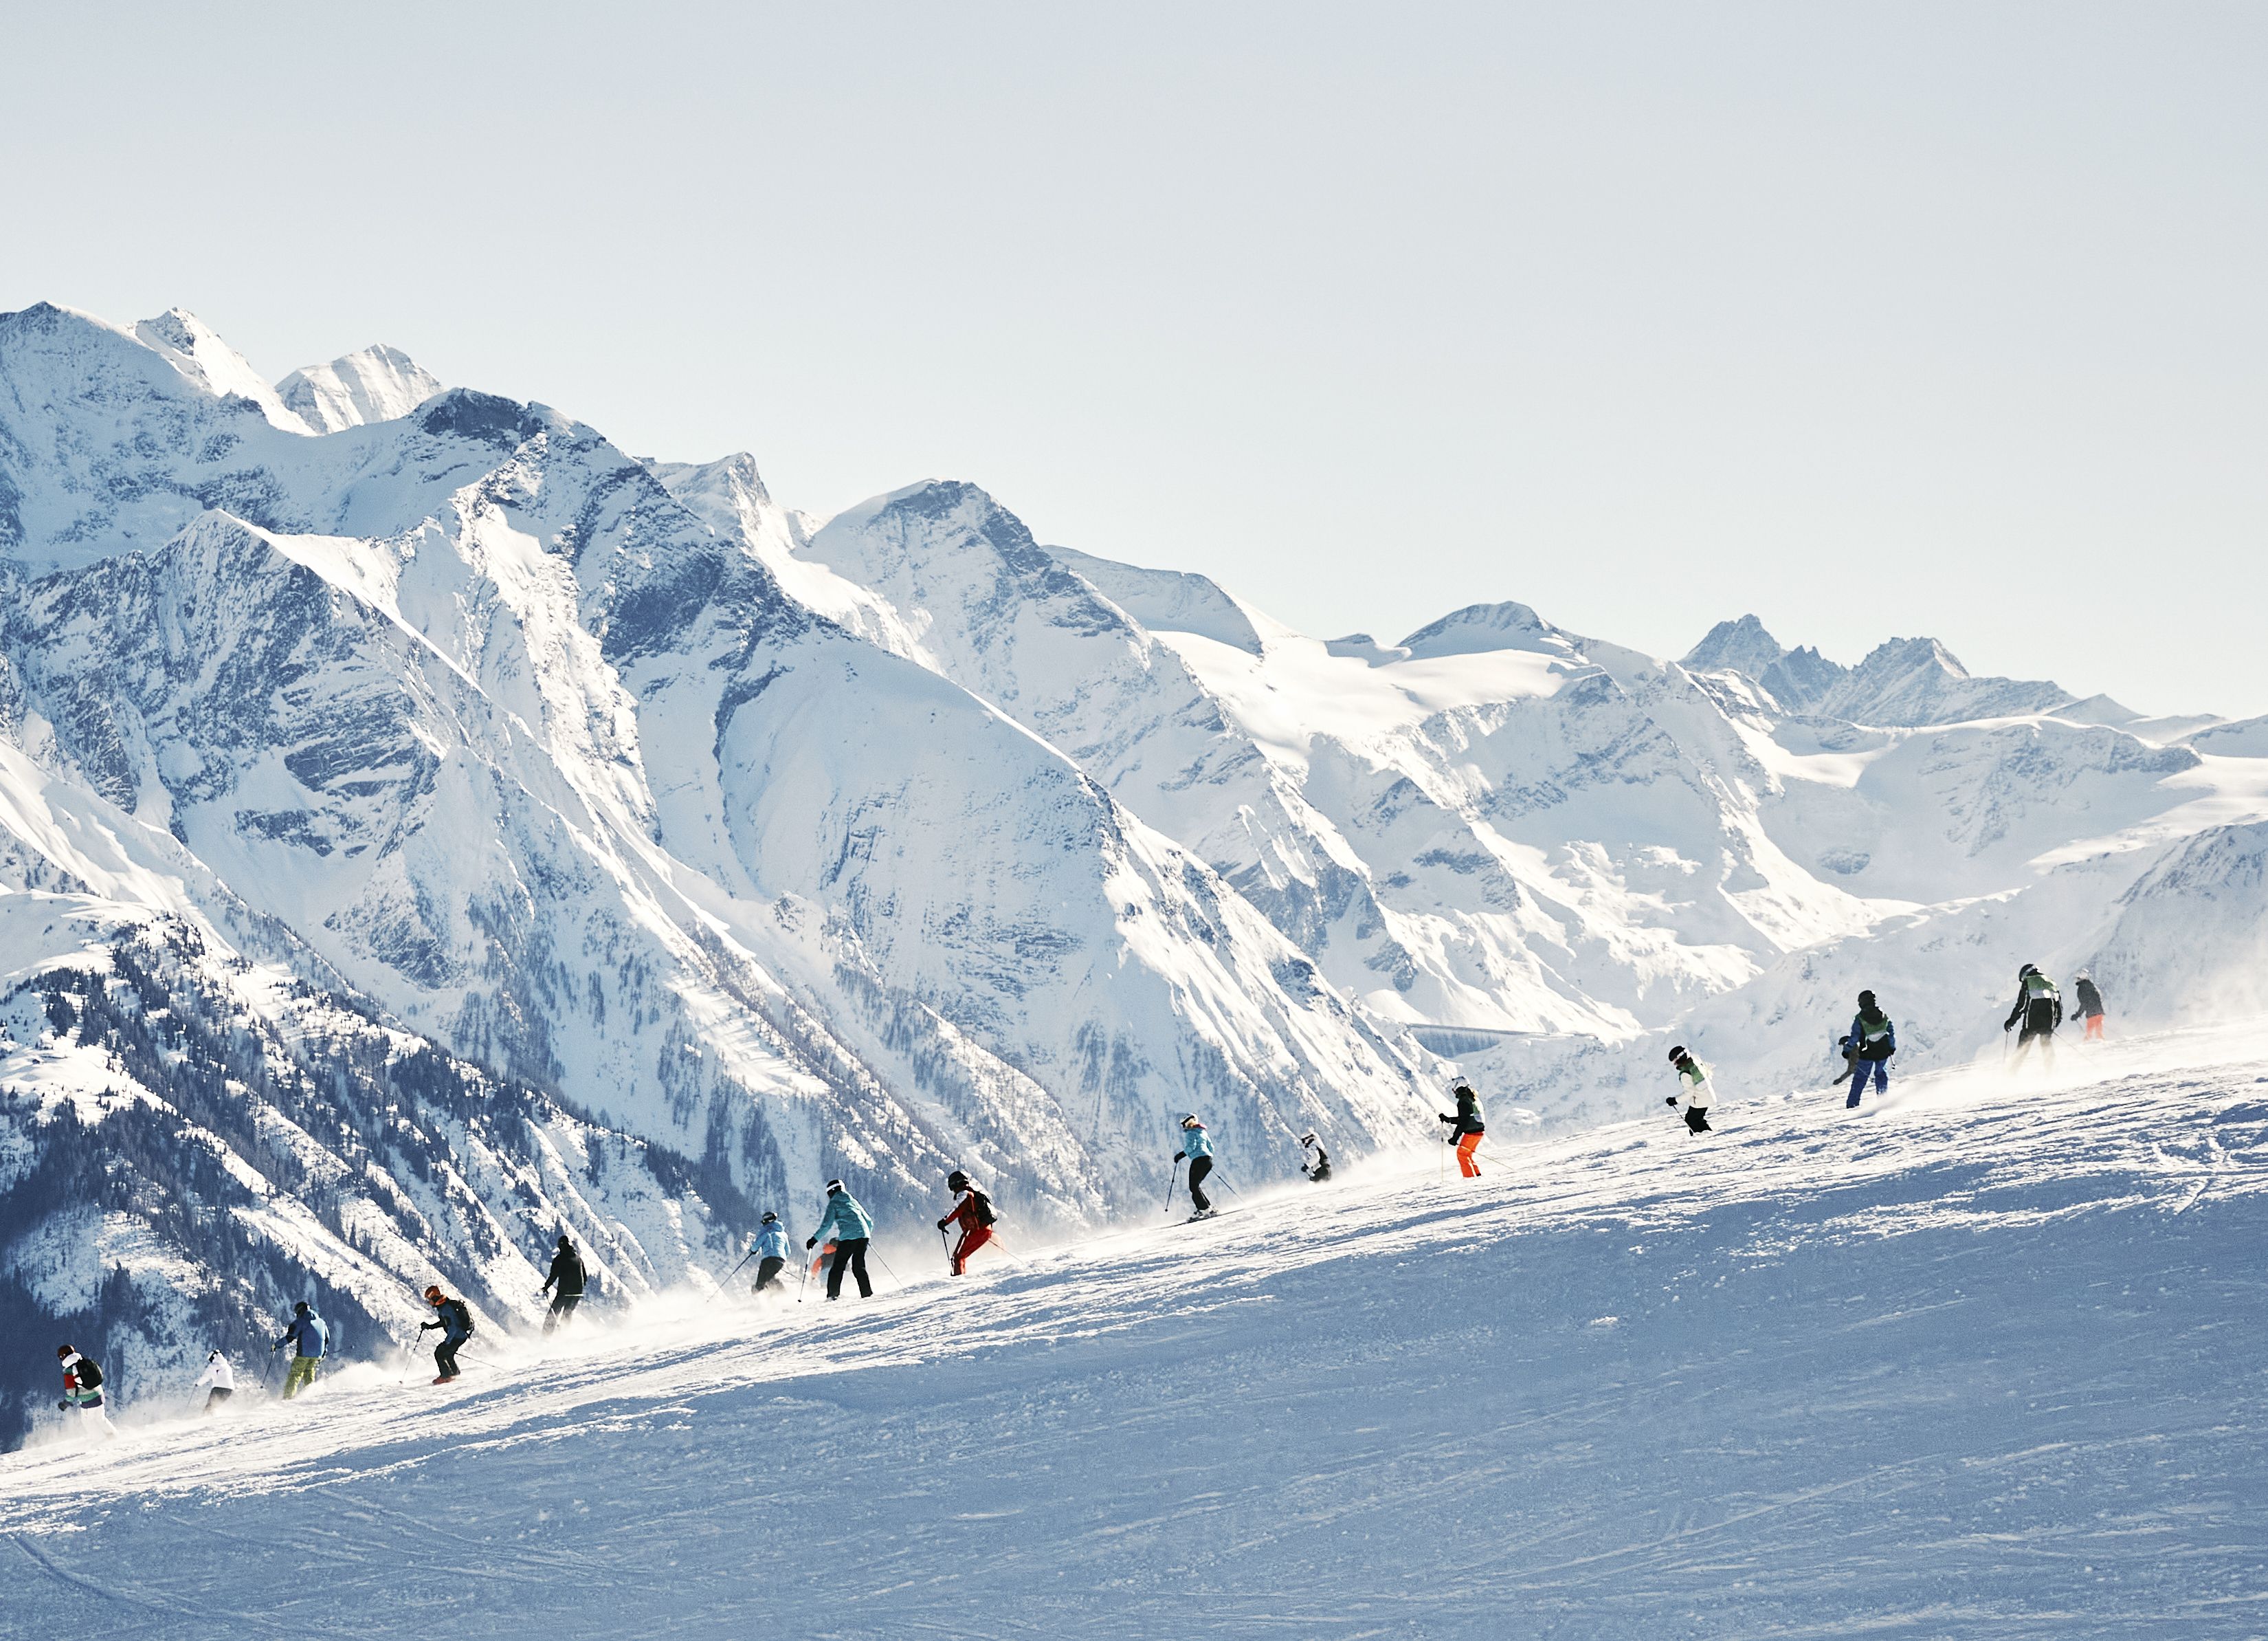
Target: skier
{"type": "Point", "coordinates": [1196, 1146]}
{"type": "Point", "coordinates": [82, 1391]}
{"type": "Point", "coordinates": [454, 1318]}
{"type": "Point", "coordinates": [2091, 1006]}
{"type": "Point", "coordinates": [1467, 1129]}
{"type": "Point", "coordinates": [1317, 1166]}
{"type": "Point", "coordinates": [973, 1213]}
{"type": "Point", "coordinates": [218, 1381]}
{"type": "Point", "coordinates": [1697, 1090]}
{"type": "Point", "coordinates": [771, 1249]}
{"type": "Point", "coordinates": [1872, 1039]}
{"type": "Point", "coordinates": [567, 1271]}
{"type": "Point", "coordinates": [848, 1226]}
{"type": "Point", "coordinates": [2039, 1005]}
{"type": "Point", "coordinates": [310, 1341]}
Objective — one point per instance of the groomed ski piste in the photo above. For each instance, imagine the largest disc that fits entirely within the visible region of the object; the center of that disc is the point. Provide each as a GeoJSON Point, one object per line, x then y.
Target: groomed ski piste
{"type": "Point", "coordinates": [1985, 1358]}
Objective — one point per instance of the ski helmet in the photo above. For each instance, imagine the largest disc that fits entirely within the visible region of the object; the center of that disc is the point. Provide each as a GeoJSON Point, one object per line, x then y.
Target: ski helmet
{"type": "Point", "coordinates": [833, 1186]}
{"type": "Point", "coordinates": [1866, 999]}
{"type": "Point", "coordinates": [2027, 969]}
{"type": "Point", "coordinates": [1308, 1138]}
{"type": "Point", "coordinates": [1189, 1120]}
{"type": "Point", "coordinates": [566, 1241]}
{"type": "Point", "coordinates": [956, 1181]}
{"type": "Point", "coordinates": [770, 1218]}
{"type": "Point", "coordinates": [64, 1351]}
{"type": "Point", "coordinates": [433, 1293]}
{"type": "Point", "coordinates": [1677, 1053]}
{"type": "Point", "coordinates": [2081, 975]}
{"type": "Point", "coordinates": [300, 1308]}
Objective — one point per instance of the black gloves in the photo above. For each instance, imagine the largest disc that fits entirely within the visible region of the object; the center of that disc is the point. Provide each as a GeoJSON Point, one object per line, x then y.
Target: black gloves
{"type": "Point", "coordinates": [2008, 1025]}
{"type": "Point", "coordinates": [64, 1406]}
{"type": "Point", "coordinates": [941, 1224]}
{"type": "Point", "coordinates": [1446, 1116]}
{"type": "Point", "coordinates": [1672, 1100]}
{"type": "Point", "coordinates": [810, 1243]}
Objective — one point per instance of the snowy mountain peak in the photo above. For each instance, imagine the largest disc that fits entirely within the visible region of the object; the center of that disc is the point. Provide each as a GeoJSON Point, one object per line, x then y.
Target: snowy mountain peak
{"type": "Point", "coordinates": [1482, 629]}
{"type": "Point", "coordinates": [195, 350]}
{"type": "Point", "coordinates": [1743, 647]}
{"type": "Point", "coordinates": [373, 384]}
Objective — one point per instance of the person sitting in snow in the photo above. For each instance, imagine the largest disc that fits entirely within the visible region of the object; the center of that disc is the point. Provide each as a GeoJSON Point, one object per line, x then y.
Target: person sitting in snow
{"type": "Point", "coordinates": [1696, 1092]}
{"type": "Point", "coordinates": [1872, 1039]}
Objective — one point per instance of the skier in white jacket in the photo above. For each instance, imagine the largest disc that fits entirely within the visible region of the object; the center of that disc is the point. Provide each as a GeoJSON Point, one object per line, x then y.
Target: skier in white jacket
{"type": "Point", "coordinates": [218, 1381]}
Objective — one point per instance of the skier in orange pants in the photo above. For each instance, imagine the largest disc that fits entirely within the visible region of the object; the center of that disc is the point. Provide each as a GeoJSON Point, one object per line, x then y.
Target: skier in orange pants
{"type": "Point", "coordinates": [1469, 1130]}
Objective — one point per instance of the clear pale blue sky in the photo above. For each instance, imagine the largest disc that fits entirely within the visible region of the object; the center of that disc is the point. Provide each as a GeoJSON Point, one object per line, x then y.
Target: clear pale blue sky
{"type": "Point", "coordinates": [1942, 318]}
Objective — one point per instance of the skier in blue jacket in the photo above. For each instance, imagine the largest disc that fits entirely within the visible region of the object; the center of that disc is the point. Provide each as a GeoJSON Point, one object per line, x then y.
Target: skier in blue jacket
{"type": "Point", "coordinates": [771, 1249]}
{"type": "Point", "coordinates": [1872, 1039]}
{"type": "Point", "coordinates": [1196, 1146]}
{"type": "Point", "coordinates": [848, 1226]}
{"type": "Point", "coordinates": [310, 1342]}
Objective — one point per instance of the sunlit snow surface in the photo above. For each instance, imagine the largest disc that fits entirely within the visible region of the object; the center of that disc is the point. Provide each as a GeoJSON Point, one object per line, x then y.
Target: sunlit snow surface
{"type": "Point", "coordinates": [1984, 1360]}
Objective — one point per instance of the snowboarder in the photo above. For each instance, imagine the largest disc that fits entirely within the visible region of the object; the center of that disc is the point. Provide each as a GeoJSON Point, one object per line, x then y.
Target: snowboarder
{"type": "Point", "coordinates": [771, 1249]}
{"type": "Point", "coordinates": [567, 1272]}
{"type": "Point", "coordinates": [1317, 1166]}
{"type": "Point", "coordinates": [1196, 1147]}
{"type": "Point", "coordinates": [1697, 1090]}
{"type": "Point", "coordinates": [849, 1226]}
{"type": "Point", "coordinates": [1872, 1039]}
{"type": "Point", "coordinates": [2091, 1006]}
{"type": "Point", "coordinates": [2039, 1005]}
{"type": "Point", "coordinates": [310, 1341]}
{"type": "Point", "coordinates": [454, 1318]}
{"type": "Point", "coordinates": [218, 1381]}
{"type": "Point", "coordinates": [83, 1392]}
{"type": "Point", "coordinates": [1467, 1129]}
{"type": "Point", "coordinates": [973, 1213]}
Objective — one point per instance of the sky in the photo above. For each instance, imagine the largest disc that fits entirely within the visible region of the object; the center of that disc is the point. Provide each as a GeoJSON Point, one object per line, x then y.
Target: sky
{"type": "Point", "coordinates": [1871, 320]}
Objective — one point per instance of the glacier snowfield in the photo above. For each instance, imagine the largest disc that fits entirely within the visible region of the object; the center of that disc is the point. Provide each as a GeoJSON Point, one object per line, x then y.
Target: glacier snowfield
{"type": "Point", "coordinates": [1986, 1359]}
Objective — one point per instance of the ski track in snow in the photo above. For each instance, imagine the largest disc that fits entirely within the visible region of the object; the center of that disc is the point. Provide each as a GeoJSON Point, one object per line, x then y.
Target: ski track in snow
{"type": "Point", "coordinates": [1984, 1360]}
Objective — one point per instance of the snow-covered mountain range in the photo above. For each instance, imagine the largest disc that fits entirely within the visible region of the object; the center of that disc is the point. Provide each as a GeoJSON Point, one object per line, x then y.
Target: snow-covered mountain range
{"type": "Point", "coordinates": [526, 834]}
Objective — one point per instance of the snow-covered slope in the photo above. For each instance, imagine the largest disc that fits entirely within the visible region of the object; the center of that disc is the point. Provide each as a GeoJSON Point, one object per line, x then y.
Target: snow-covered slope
{"type": "Point", "coordinates": [871, 847]}
{"type": "Point", "coordinates": [1979, 1363]}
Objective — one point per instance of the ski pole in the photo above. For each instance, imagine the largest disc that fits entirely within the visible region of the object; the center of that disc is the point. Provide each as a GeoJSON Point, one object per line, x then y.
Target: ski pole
{"type": "Point", "coordinates": [885, 1264]}
{"type": "Point", "coordinates": [806, 1282]}
{"type": "Point", "coordinates": [945, 1242]}
{"type": "Point", "coordinates": [735, 1271]}
{"type": "Point", "coordinates": [408, 1346]}
{"type": "Point", "coordinates": [1172, 1180]}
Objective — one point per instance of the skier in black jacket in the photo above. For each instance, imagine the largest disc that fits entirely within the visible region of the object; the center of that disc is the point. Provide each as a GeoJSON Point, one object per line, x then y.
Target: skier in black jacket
{"type": "Point", "coordinates": [2039, 1005]}
{"type": "Point", "coordinates": [1467, 1128]}
{"type": "Point", "coordinates": [567, 1272]}
{"type": "Point", "coordinates": [2091, 1006]}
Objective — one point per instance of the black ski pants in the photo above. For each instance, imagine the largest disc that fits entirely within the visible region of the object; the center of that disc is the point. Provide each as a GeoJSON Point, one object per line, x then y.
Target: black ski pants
{"type": "Point", "coordinates": [853, 1253]}
{"type": "Point", "coordinates": [766, 1269]}
{"type": "Point", "coordinates": [445, 1357]}
{"type": "Point", "coordinates": [563, 1309]}
{"type": "Point", "coordinates": [1199, 1167]}
{"type": "Point", "coordinates": [1696, 1120]}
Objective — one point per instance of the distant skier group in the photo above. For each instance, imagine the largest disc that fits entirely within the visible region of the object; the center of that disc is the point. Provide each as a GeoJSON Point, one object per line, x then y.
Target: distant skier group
{"type": "Point", "coordinates": [845, 1230]}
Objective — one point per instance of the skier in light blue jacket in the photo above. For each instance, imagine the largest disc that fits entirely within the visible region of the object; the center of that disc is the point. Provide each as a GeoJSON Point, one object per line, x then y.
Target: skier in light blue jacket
{"type": "Point", "coordinates": [770, 1250]}
{"type": "Point", "coordinates": [1197, 1145]}
{"type": "Point", "coordinates": [848, 1226]}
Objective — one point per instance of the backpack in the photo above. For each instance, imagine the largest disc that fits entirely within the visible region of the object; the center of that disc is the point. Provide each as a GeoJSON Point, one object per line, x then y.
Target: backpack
{"type": "Point", "coordinates": [984, 1206]}
{"type": "Point", "coordinates": [462, 1314]}
{"type": "Point", "coordinates": [90, 1377]}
